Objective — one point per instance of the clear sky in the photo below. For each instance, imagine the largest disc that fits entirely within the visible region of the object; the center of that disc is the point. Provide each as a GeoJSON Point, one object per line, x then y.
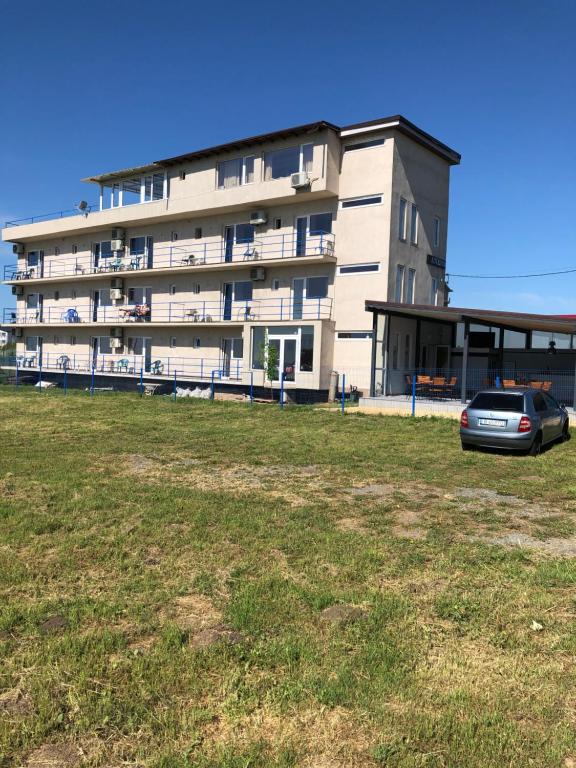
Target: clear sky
{"type": "Point", "coordinates": [93, 87]}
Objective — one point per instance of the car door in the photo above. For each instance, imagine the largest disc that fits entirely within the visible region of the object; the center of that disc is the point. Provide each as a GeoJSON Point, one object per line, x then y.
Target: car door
{"type": "Point", "coordinates": [541, 408]}
{"type": "Point", "coordinates": [556, 415]}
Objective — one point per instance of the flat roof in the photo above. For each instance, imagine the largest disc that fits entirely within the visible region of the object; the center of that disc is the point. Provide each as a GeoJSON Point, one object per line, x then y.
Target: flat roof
{"type": "Point", "coordinates": [396, 121]}
{"type": "Point", "coordinates": [523, 321]}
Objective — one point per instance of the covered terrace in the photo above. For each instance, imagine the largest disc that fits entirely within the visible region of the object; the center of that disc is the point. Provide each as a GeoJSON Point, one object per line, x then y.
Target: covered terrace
{"type": "Point", "coordinates": [454, 352]}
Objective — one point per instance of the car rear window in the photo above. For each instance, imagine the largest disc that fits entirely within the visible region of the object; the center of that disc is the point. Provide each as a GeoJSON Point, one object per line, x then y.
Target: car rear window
{"type": "Point", "coordinates": [496, 401]}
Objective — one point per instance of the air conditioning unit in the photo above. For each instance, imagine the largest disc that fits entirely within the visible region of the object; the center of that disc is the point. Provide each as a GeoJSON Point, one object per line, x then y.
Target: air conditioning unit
{"type": "Point", "coordinates": [18, 333]}
{"type": "Point", "coordinates": [117, 245]}
{"type": "Point", "coordinates": [17, 290]}
{"type": "Point", "coordinates": [258, 217]}
{"type": "Point", "coordinates": [258, 273]}
{"type": "Point", "coordinates": [116, 333]}
{"type": "Point", "coordinates": [116, 343]}
{"type": "Point", "coordinates": [18, 248]}
{"type": "Point", "coordinates": [117, 282]}
{"type": "Point", "coordinates": [118, 234]}
{"type": "Point", "coordinates": [300, 180]}
{"type": "Point", "coordinates": [116, 294]}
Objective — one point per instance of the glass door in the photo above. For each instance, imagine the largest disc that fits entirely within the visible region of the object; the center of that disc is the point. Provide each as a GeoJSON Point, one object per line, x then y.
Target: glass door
{"type": "Point", "coordinates": [141, 348]}
{"type": "Point", "coordinates": [228, 243]}
{"type": "Point", "coordinates": [35, 263]}
{"type": "Point", "coordinates": [227, 294]}
{"type": "Point", "coordinates": [301, 230]}
{"type": "Point", "coordinates": [232, 354]}
{"type": "Point", "coordinates": [298, 288]}
{"type": "Point", "coordinates": [237, 234]}
{"type": "Point", "coordinates": [287, 348]}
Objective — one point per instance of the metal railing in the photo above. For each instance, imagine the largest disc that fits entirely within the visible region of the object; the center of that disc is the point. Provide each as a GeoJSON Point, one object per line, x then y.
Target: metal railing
{"type": "Point", "coordinates": [193, 311]}
{"type": "Point", "coordinates": [129, 364]}
{"type": "Point", "coordinates": [449, 384]}
{"type": "Point", "coordinates": [54, 215]}
{"type": "Point", "coordinates": [198, 253]}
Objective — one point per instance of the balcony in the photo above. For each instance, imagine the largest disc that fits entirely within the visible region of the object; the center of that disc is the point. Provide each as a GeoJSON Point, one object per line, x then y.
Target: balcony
{"type": "Point", "coordinates": [206, 253]}
{"type": "Point", "coordinates": [130, 364]}
{"type": "Point", "coordinates": [176, 312]}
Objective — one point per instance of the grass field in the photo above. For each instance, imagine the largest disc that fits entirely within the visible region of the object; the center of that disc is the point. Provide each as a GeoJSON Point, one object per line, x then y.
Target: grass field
{"type": "Point", "coordinates": [232, 586]}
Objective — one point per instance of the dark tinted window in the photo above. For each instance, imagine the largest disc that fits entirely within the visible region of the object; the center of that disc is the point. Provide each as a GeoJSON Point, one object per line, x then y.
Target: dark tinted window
{"type": "Point", "coordinates": [550, 401]}
{"type": "Point", "coordinates": [539, 402]}
{"type": "Point", "coordinates": [496, 401]}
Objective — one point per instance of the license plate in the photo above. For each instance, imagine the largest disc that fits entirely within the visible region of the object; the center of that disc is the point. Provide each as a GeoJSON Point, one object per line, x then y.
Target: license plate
{"type": "Point", "coordinates": [492, 422]}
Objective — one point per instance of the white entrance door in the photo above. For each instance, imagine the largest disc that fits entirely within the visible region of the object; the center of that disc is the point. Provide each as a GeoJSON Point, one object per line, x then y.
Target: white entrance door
{"type": "Point", "coordinates": [287, 348]}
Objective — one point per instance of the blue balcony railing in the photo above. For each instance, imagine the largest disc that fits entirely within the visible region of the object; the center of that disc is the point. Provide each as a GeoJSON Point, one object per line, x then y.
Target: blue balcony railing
{"type": "Point", "coordinates": [196, 254]}
{"type": "Point", "coordinates": [130, 364]}
{"type": "Point", "coordinates": [193, 311]}
{"type": "Point", "coordinates": [54, 215]}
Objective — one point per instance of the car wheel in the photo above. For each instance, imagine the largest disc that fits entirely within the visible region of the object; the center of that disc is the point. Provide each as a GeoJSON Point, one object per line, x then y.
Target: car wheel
{"type": "Point", "coordinates": [467, 447]}
{"type": "Point", "coordinates": [565, 432]}
{"type": "Point", "coordinates": [536, 446]}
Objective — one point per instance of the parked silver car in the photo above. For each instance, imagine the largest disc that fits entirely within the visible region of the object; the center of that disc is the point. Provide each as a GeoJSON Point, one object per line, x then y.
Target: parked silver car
{"type": "Point", "coordinates": [519, 419]}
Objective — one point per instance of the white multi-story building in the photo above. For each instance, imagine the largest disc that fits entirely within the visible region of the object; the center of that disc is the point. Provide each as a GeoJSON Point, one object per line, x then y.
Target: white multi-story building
{"type": "Point", "coordinates": [201, 263]}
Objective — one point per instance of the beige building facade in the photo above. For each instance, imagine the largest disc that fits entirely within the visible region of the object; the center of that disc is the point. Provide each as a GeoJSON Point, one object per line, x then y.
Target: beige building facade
{"type": "Point", "coordinates": [196, 266]}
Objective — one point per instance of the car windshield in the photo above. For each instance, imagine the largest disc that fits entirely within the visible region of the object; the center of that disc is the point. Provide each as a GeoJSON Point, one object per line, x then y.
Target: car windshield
{"type": "Point", "coordinates": [498, 401]}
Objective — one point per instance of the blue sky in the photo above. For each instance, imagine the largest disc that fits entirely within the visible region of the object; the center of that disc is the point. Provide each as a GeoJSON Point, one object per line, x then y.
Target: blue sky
{"type": "Point", "coordinates": [95, 87]}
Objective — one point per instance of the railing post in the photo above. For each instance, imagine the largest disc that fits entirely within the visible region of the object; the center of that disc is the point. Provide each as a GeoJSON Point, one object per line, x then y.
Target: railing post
{"type": "Point", "coordinates": [92, 381]}
{"type": "Point", "coordinates": [212, 385]}
{"type": "Point", "coordinates": [343, 395]}
{"type": "Point", "coordinates": [141, 381]}
{"type": "Point", "coordinates": [413, 394]}
{"type": "Point", "coordinates": [65, 379]}
{"type": "Point", "coordinates": [283, 236]}
{"type": "Point", "coordinates": [201, 367]}
{"type": "Point", "coordinates": [40, 374]}
{"type": "Point", "coordinates": [281, 308]}
{"type": "Point", "coordinates": [16, 382]}
{"type": "Point", "coordinates": [174, 387]}
{"type": "Point", "coordinates": [251, 386]}
{"type": "Point", "coordinates": [282, 390]}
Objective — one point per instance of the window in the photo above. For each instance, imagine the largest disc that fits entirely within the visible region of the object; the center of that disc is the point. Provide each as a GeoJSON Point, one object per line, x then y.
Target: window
{"type": "Point", "coordinates": [364, 145]}
{"type": "Point", "coordinates": [56, 340]}
{"type": "Point", "coordinates": [258, 344]}
{"type": "Point", "coordinates": [316, 287]}
{"type": "Point", "coordinates": [182, 175]}
{"type": "Point", "coordinates": [233, 173]}
{"type": "Point", "coordinates": [243, 290]}
{"type": "Point", "coordinates": [357, 202]}
{"type": "Point", "coordinates": [277, 223]}
{"type": "Point", "coordinates": [196, 342]}
{"type": "Point", "coordinates": [498, 401]}
{"type": "Point", "coordinates": [434, 292]}
{"type": "Point", "coordinates": [402, 219]}
{"type": "Point", "coordinates": [399, 283]}
{"type": "Point", "coordinates": [356, 269]}
{"type": "Point", "coordinates": [395, 350]}
{"type": "Point", "coordinates": [56, 251]}
{"type": "Point", "coordinates": [410, 286]}
{"type": "Point", "coordinates": [284, 162]}
{"type": "Point", "coordinates": [275, 284]}
{"type": "Point", "coordinates": [414, 224]}
{"type": "Point", "coordinates": [102, 251]}
{"type": "Point", "coordinates": [174, 236]}
{"type": "Point", "coordinates": [307, 348]}
{"type": "Point", "coordinates": [56, 295]}
{"type": "Point", "coordinates": [320, 223]}
{"type": "Point", "coordinates": [72, 341]}
{"type": "Point", "coordinates": [436, 232]}
{"type": "Point", "coordinates": [173, 342]}
{"type": "Point", "coordinates": [354, 334]}
{"type": "Point", "coordinates": [197, 233]}
{"type": "Point", "coordinates": [172, 290]}
{"type": "Point", "coordinates": [195, 288]}
{"type": "Point", "coordinates": [31, 343]}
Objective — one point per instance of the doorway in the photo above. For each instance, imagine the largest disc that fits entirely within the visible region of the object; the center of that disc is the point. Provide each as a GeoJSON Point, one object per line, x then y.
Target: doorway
{"type": "Point", "coordinates": [141, 348]}
{"type": "Point", "coordinates": [287, 352]}
{"type": "Point", "coordinates": [232, 356]}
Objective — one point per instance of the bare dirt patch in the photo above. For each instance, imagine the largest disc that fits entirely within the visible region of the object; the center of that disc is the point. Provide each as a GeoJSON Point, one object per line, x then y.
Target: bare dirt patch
{"type": "Point", "coordinates": [380, 490]}
{"type": "Point", "coordinates": [220, 634]}
{"type": "Point", "coordinates": [54, 756]}
{"type": "Point", "coordinates": [14, 702]}
{"type": "Point", "coordinates": [352, 525]}
{"type": "Point", "coordinates": [553, 546]}
{"type": "Point", "coordinates": [194, 613]}
{"type": "Point", "coordinates": [55, 624]}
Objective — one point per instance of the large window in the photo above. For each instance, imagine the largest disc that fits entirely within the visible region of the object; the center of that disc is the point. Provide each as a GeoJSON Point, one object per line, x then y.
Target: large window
{"type": "Point", "coordinates": [285, 162]}
{"type": "Point", "coordinates": [399, 283]}
{"type": "Point", "coordinates": [136, 189]}
{"type": "Point", "coordinates": [434, 292]}
{"type": "Point", "coordinates": [233, 173]}
{"type": "Point", "coordinates": [102, 251]}
{"type": "Point", "coordinates": [364, 145]}
{"type": "Point", "coordinates": [357, 269]}
{"type": "Point", "coordinates": [288, 341]}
